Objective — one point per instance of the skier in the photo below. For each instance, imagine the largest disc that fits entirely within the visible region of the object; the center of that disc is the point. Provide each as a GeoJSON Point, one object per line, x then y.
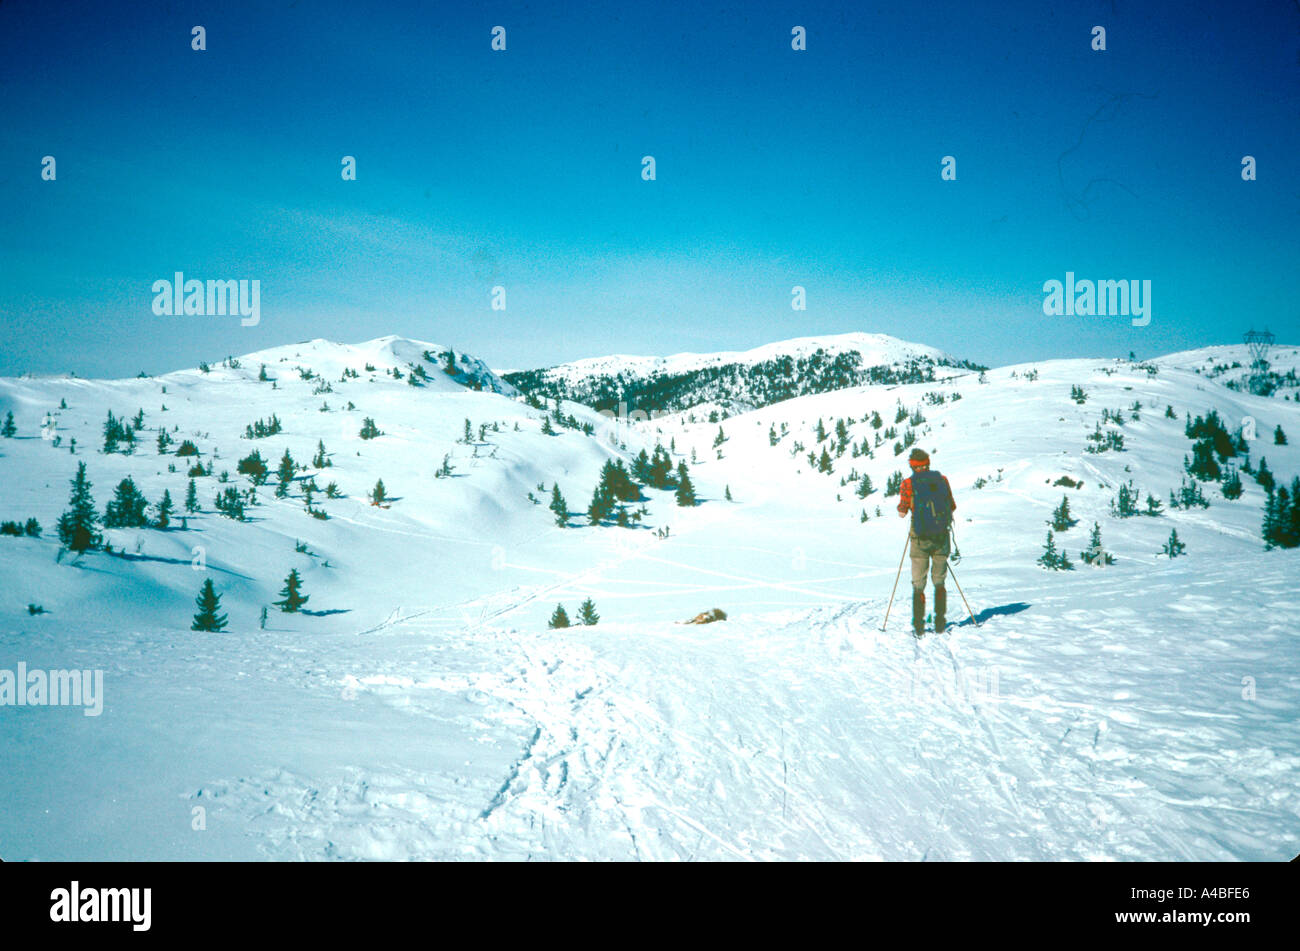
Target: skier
{"type": "Point", "coordinates": [928, 497]}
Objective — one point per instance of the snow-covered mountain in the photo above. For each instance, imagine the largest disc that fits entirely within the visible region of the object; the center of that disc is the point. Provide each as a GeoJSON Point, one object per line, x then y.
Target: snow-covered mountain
{"type": "Point", "coordinates": [420, 707]}
{"type": "Point", "coordinates": [736, 381]}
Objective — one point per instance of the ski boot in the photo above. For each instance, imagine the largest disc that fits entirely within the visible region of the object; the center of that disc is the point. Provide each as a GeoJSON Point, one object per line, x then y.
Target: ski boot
{"type": "Point", "coordinates": [940, 609]}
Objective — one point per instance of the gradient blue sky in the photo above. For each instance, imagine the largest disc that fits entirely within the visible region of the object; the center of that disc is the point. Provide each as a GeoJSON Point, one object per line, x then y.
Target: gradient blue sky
{"type": "Point", "coordinates": [522, 168]}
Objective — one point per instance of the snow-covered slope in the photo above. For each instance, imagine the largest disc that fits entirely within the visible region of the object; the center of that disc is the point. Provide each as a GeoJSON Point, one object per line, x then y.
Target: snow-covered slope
{"type": "Point", "coordinates": [1145, 710]}
{"type": "Point", "coordinates": [1231, 366]}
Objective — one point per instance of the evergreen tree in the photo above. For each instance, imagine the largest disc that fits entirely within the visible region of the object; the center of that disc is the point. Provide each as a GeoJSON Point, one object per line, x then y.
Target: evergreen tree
{"type": "Point", "coordinates": [320, 460]}
{"type": "Point", "coordinates": [77, 526]}
{"type": "Point", "coordinates": [1279, 437]}
{"type": "Point", "coordinates": [864, 487]}
{"type": "Point", "coordinates": [1153, 505]}
{"type": "Point", "coordinates": [1203, 465]}
{"type": "Point", "coordinates": [1173, 548]}
{"type": "Point", "coordinates": [9, 429]}
{"type": "Point", "coordinates": [285, 474]}
{"type": "Point", "coordinates": [1053, 559]}
{"type": "Point", "coordinates": [1095, 554]}
{"type": "Point", "coordinates": [127, 509]}
{"type": "Point", "coordinates": [253, 466]}
{"type": "Point", "coordinates": [587, 613]}
{"type": "Point", "coordinates": [1061, 520]}
{"type": "Point", "coordinates": [559, 619]}
{"type": "Point", "coordinates": [560, 507]}
{"type": "Point", "coordinates": [191, 497]}
{"type": "Point", "coordinates": [369, 430]}
{"type": "Point", "coordinates": [164, 510]}
{"type": "Point", "coordinates": [1124, 505]}
{"type": "Point", "coordinates": [1269, 529]}
{"type": "Point", "coordinates": [378, 495]}
{"type": "Point", "coordinates": [824, 463]}
{"type": "Point", "coordinates": [164, 441]}
{"type": "Point", "coordinates": [209, 603]}
{"type": "Point", "coordinates": [602, 503]}
{"type": "Point", "coordinates": [685, 490]}
{"type": "Point", "coordinates": [229, 504]}
{"type": "Point", "coordinates": [291, 598]}
{"type": "Point", "coordinates": [1263, 476]}
{"type": "Point", "coordinates": [726, 494]}
{"type": "Point", "coordinates": [1231, 484]}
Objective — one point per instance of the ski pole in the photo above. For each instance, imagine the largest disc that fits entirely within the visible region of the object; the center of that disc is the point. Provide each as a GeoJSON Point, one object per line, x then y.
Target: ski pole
{"type": "Point", "coordinates": [963, 595]}
{"type": "Point", "coordinates": [898, 575]}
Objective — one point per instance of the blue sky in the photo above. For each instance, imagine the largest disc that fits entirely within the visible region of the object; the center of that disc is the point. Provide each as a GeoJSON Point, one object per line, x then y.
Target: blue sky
{"type": "Point", "coordinates": [523, 168]}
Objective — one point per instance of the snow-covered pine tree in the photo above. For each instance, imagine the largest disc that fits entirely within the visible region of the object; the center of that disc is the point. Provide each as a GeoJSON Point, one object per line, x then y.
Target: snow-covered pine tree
{"type": "Point", "coordinates": [291, 596]}
{"type": "Point", "coordinates": [253, 466]}
{"type": "Point", "coordinates": [285, 474]}
{"type": "Point", "coordinates": [165, 509]}
{"type": "Point", "coordinates": [1264, 476]}
{"type": "Point", "coordinates": [9, 429]}
{"type": "Point", "coordinates": [1231, 484]}
{"type": "Point", "coordinates": [127, 508]}
{"type": "Point", "coordinates": [77, 527]}
{"type": "Point", "coordinates": [685, 489]}
{"type": "Point", "coordinates": [209, 603]}
{"type": "Point", "coordinates": [1051, 558]}
{"type": "Point", "coordinates": [1124, 505]}
{"type": "Point", "coordinates": [1095, 554]}
{"type": "Point", "coordinates": [559, 507]}
{"type": "Point", "coordinates": [1173, 548]}
{"type": "Point", "coordinates": [1061, 520]}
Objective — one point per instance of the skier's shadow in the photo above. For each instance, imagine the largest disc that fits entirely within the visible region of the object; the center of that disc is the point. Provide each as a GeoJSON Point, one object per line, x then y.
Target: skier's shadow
{"type": "Point", "coordinates": [1014, 608]}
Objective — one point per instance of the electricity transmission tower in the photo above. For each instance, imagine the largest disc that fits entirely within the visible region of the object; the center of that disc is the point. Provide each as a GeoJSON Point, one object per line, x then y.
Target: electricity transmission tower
{"type": "Point", "coordinates": [1259, 343]}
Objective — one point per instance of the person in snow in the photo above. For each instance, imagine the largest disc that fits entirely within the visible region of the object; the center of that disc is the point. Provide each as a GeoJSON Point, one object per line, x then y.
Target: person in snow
{"type": "Point", "coordinates": [928, 497]}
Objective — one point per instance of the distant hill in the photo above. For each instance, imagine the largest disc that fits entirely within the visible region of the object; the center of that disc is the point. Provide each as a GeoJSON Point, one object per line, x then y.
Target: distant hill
{"type": "Point", "coordinates": [739, 381]}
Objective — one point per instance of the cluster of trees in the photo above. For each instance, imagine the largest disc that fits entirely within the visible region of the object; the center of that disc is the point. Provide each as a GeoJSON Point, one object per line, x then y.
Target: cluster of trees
{"type": "Point", "coordinates": [119, 434]}
{"type": "Point", "coordinates": [31, 528]}
{"type": "Point", "coordinates": [260, 429]}
{"type": "Point", "coordinates": [78, 527]}
{"type": "Point", "coordinates": [733, 384]}
{"type": "Point", "coordinates": [586, 615]}
{"type": "Point", "coordinates": [1057, 560]}
{"type": "Point", "coordinates": [1281, 526]}
{"type": "Point", "coordinates": [210, 618]}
